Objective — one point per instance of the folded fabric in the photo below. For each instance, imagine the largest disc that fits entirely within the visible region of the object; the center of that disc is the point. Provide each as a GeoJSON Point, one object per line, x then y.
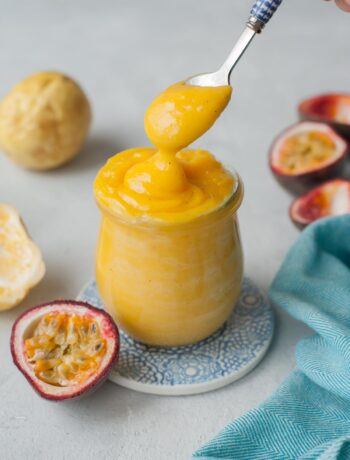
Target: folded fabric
{"type": "Point", "coordinates": [309, 415]}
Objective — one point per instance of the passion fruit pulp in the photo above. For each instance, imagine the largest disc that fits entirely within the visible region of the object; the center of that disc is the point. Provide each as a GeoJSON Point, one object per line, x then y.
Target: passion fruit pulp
{"type": "Point", "coordinates": [332, 108]}
{"type": "Point", "coordinates": [329, 199]}
{"type": "Point", "coordinates": [64, 348]}
{"type": "Point", "coordinates": [306, 154]}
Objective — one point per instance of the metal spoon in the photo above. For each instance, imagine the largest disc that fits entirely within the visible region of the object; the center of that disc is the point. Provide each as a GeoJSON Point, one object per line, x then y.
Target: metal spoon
{"type": "Point", "coordinates": [260, 15]}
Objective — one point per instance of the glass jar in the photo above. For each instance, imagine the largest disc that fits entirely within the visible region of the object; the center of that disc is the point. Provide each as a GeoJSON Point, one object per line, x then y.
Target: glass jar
{"type": "Point", "coordinates": [171, 284]}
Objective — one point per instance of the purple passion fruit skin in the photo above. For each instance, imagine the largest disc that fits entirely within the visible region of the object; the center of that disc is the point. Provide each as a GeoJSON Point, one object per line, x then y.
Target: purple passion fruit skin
{"type": "Point", "coordinates": [303, 183]}
{"type": "Point", "coordinates": [331, 108]}
{"type": "Point", "coordinates": [65, 349]}
{"type": "Point", "coordinates": [305, 155]}
{"type": "Point", "coordinates": [329, 199]}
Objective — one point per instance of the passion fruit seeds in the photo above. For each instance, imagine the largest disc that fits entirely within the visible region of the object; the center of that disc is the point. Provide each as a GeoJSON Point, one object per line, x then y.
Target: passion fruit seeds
{"type": "Point", "coordinates": [302, 151]}
{"type": "Point", "coordinates": [65, 348]}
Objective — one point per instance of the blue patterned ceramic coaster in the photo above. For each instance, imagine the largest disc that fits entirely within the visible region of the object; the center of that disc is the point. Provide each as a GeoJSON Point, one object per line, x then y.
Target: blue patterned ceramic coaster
{"type": "Point", "coordinates": [226, 356]}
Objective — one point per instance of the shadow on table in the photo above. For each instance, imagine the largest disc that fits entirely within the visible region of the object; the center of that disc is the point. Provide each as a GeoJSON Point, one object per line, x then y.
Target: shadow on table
{"type": "Point", "coordinates": [93, 155]}
{"type": "Point", "coordinates": [109, 402]}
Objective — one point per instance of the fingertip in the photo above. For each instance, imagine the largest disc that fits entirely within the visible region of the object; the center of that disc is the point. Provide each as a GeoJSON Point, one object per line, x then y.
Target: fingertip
{"type": "Point", "coordinates": [343, 4]}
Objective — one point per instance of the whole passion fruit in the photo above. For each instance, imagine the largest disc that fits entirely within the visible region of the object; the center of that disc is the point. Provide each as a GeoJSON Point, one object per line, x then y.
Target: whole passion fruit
{"type": "Point", "coordinates": [329, 199]}
{"type": "Point", "coordinates": [44, 121]}
{"type": "Point", "coordinates": [306, 154]}
{"type": "Point", "coordinates": [333, 108]}
{"type": "Point", "coordinates": [64, 348]}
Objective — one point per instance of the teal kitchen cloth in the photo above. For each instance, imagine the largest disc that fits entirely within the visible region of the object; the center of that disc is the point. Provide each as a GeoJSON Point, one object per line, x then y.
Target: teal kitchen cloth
{"type": "Point", "coordinates": [309, 415]}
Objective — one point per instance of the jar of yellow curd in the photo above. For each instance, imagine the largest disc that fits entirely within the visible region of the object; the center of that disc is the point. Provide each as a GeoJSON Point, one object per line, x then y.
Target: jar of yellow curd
{"type": "Point", "coordinates": [173, 278]}
{"type": "Point", "coordinates": [169, 256]}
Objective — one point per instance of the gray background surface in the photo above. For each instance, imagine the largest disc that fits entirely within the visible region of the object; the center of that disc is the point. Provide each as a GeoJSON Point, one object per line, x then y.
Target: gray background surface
{"type": "Point", "coordinates": [124, 53]}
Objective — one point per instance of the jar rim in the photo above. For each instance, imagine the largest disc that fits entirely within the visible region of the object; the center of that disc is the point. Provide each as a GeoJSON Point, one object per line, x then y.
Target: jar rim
{"type": "Point", "coordinates": [231, 203]}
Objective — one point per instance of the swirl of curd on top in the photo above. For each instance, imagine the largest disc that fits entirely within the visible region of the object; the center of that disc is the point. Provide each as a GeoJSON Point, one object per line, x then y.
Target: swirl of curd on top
{"type": "Point", "coordinates": [169, 183]}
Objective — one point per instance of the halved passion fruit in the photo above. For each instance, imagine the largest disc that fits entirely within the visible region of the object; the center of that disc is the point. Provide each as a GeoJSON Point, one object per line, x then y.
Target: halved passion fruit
{"type": "Point", "coordinates": [64, 348]}
{"type": "Point", "coordinates": [329, 199]}
{"type": "Point", "coordinates": [306, 154]}
{"type": "Point", "coordinates": [333, 108]}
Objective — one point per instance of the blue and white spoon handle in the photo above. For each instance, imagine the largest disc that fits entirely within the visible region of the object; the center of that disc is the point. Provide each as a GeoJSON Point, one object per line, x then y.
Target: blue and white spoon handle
{"type": "Point", "coordinates": [261, 12]}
